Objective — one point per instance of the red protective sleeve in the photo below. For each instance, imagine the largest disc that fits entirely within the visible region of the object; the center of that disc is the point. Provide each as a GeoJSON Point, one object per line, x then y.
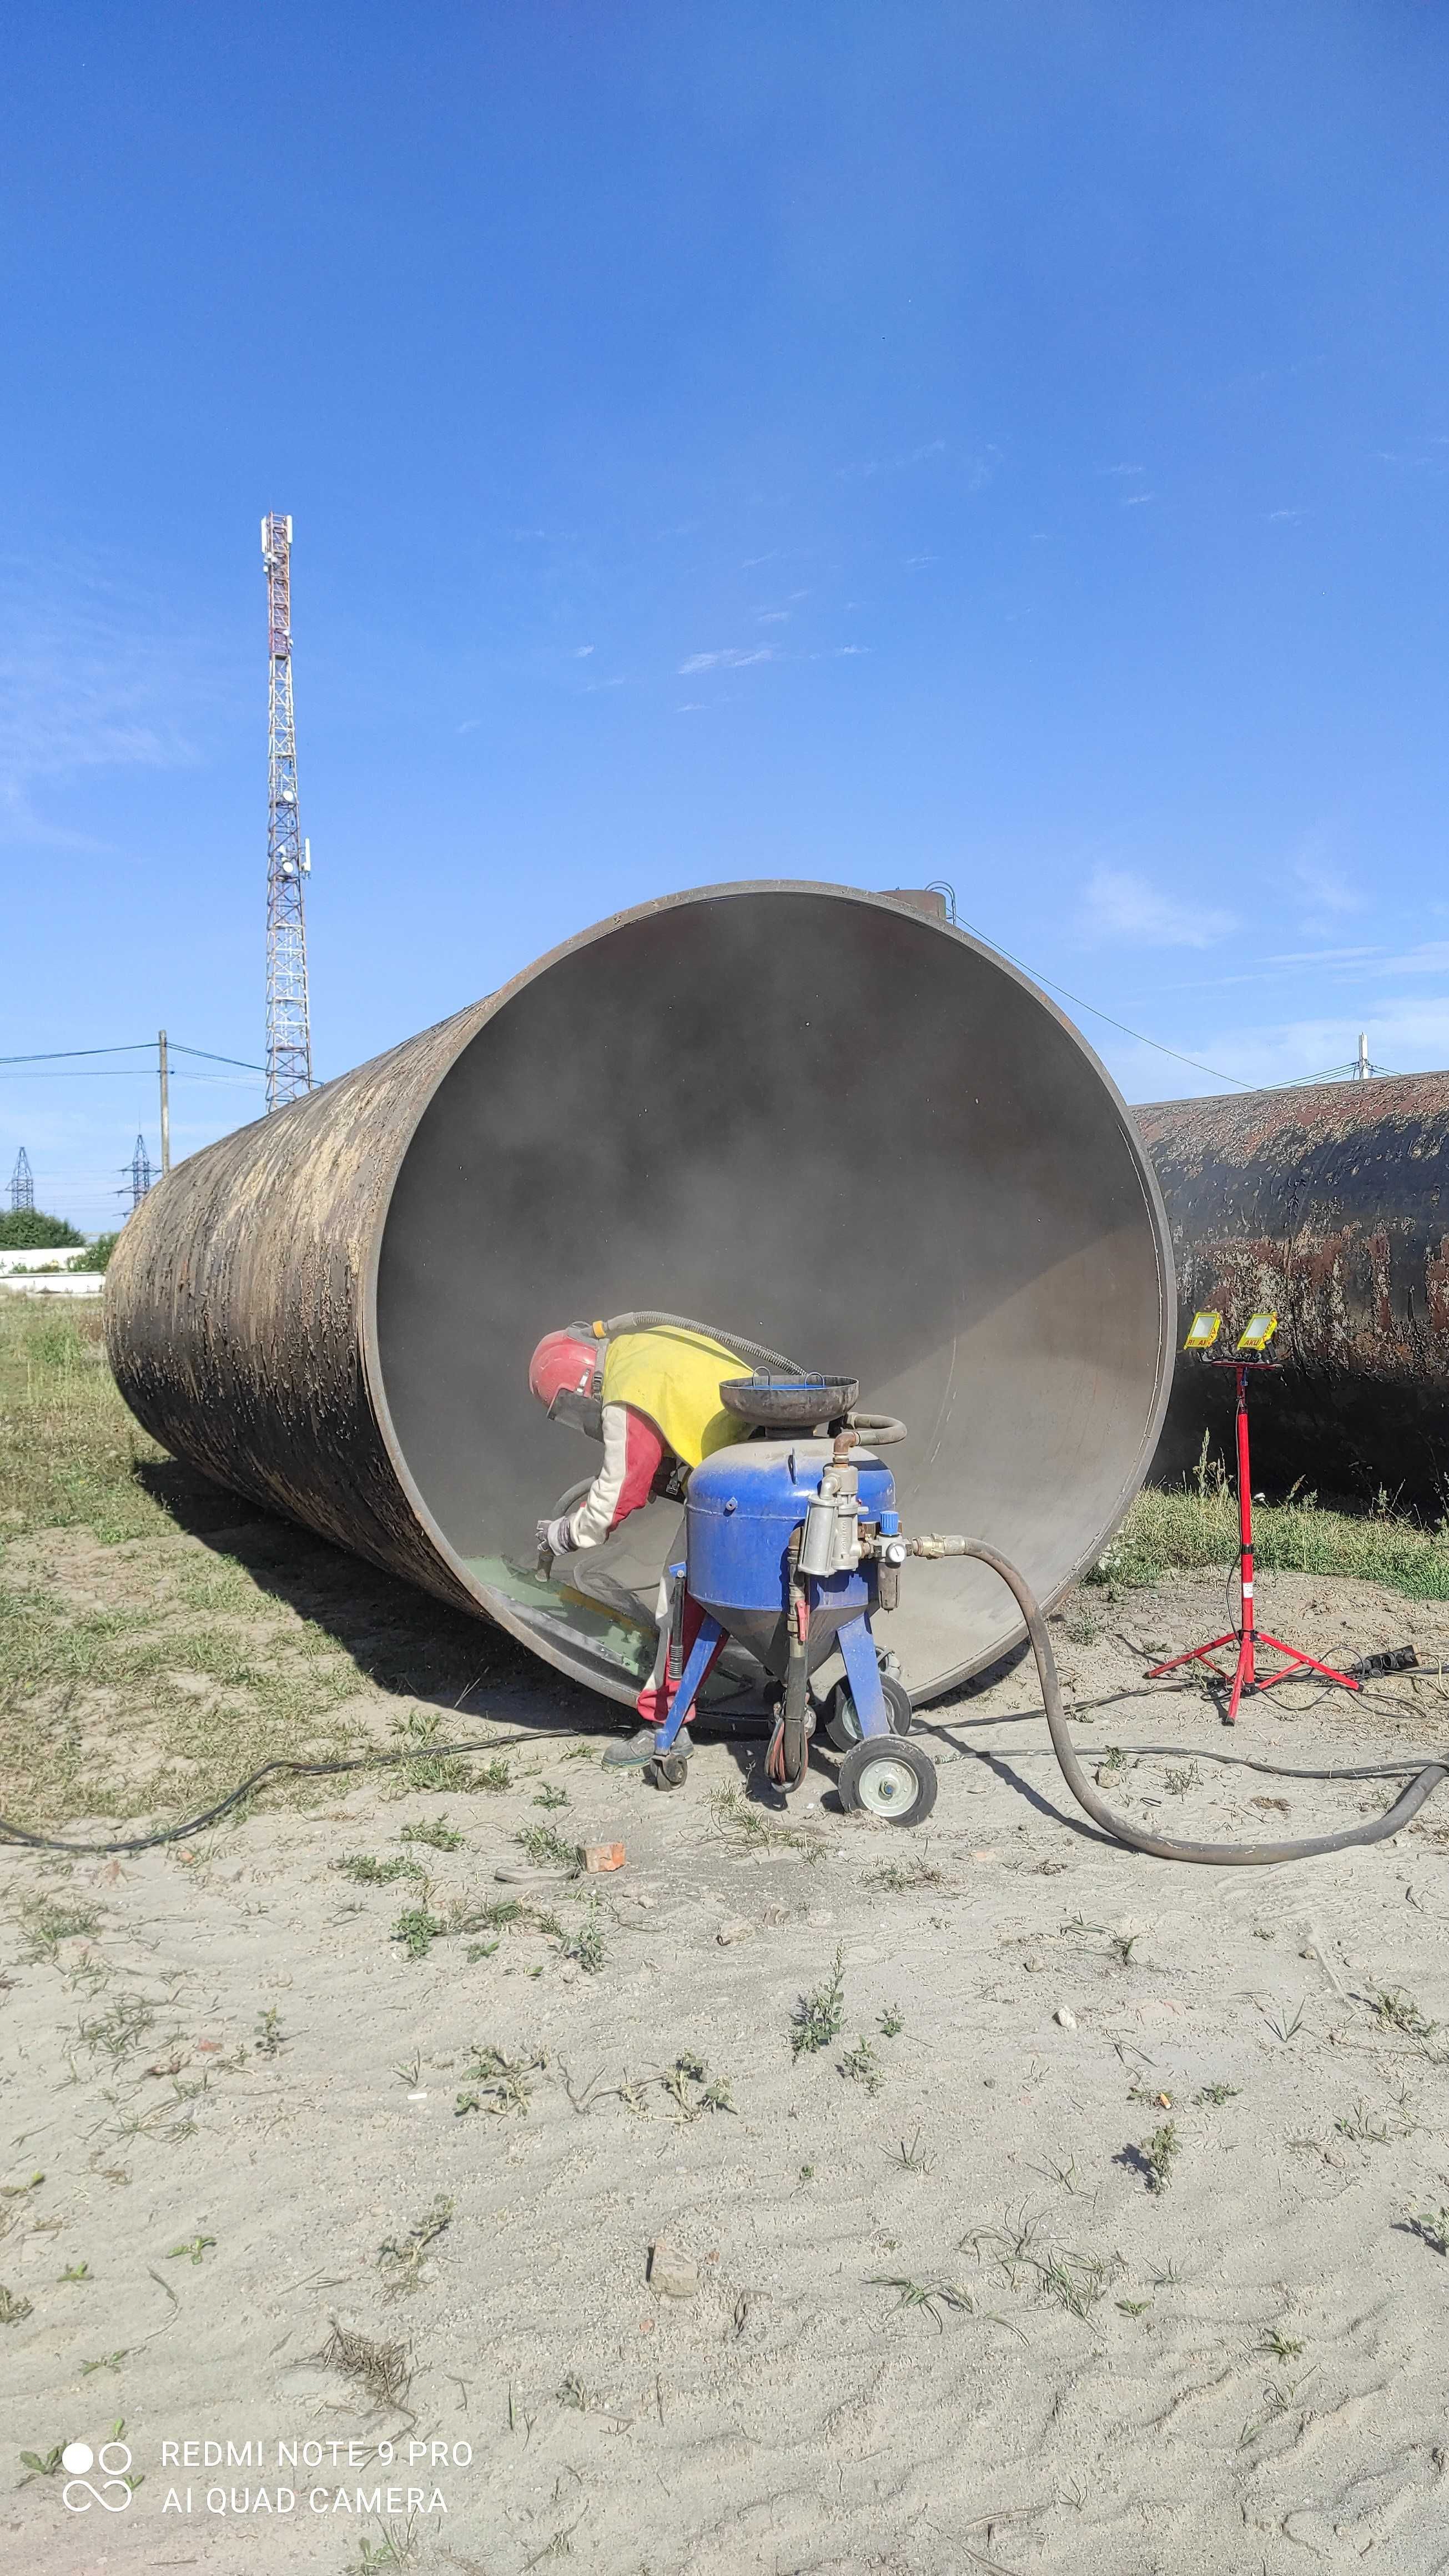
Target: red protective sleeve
{"type": "Point", "coordinates": [644, 1455]}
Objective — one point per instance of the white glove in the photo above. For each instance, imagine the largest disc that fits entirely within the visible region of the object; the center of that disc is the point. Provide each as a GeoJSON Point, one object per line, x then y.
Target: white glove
{"type": "Point", "coordinates": [555, 1536]}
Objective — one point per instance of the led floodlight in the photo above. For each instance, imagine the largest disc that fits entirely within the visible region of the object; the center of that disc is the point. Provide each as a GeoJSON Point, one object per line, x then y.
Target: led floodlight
{"type": "Point", "coordinates": [1204, 1329]}
{"type": "Point", "coordinates": [1258, 1332]}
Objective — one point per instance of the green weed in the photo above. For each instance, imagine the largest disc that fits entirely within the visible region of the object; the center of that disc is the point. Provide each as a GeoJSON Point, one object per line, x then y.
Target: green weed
{"type": "Point", "coordinates": [818, 2016]}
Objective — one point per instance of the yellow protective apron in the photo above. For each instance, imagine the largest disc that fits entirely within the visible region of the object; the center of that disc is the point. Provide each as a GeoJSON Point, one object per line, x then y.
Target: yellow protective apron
{"type": "Point", "coordinates": [674, 1378]}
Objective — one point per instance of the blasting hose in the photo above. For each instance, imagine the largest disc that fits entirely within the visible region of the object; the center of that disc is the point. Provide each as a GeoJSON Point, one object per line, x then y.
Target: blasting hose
{"type": "Point", "coordinates": [1216, 1855]}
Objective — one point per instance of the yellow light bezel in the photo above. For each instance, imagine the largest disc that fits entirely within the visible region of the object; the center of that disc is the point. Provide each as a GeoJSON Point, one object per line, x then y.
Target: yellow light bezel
{"type": "Point", "coordinates": [1204, 1329]}
{"type": "Point", "coordinates": [1258, 1331]}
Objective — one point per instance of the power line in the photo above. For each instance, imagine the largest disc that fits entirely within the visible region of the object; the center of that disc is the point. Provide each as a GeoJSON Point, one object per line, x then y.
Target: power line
{"type": "Point", "coordinates": [1138, 1035]}
{"type": "Point", "coordinates": [59, 1055]}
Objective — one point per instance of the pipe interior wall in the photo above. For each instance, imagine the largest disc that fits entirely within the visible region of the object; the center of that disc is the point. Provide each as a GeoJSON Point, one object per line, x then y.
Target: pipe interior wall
{"type": "Point", "coordinates": [820, 1117]}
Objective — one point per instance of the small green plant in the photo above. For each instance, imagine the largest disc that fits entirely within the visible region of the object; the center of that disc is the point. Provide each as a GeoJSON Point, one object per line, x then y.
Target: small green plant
{"type": "Point", "coordinates": [497, 2083]}
{"type": "Point", "coordinates": [1283, 2347]}
{"type": "Point", "coordinates": [899, 1875]}
{"type": "Point", "coordinates": [366, 1871]}
{"type": "Point", "coordinates": [925, 2297]}
{"type": "Point", "coordinates": [584, 1944]}
{"type": "Point", "coordinates": [398, 2547]}
{"type": "Point", "coordinates": [494, 1776]}
{"type": "Point", "coordinates": [77, 2272]}
{"type": "Point", "coordinates": [1123, 1945]}
{"type": "Point", "coordinates": [1361, 2126]}
{"type": "Point", "coordinates": [1113, 1760]}
{"type": "Point", "coordinates": [548, 1850]}
{"type": "Point", "coordinates": [1215, 2095]}
{"type": "Point", "coordinates": [693, 2089]}
{"type": "Point", "coordinates": [1131, 2307]}
{"type": "Point", "coordinates": [757, 1829]}
{"type": "Point", "coordinates": [1160, 2153]}
{"type": "Point", "coordinates": [1431, 2226]}
{"type": "Point", "coordinates": [105, 2361]}
{"type": "Point", "coordinates": [1280, 2025]}
{"type": "Point", "coordinates": [550, 1795]}
{"type": "Point", "coordinates": [818, 2016]}
{"type": "Point", "coordinates": [47, 1921]}
{"type": "Point", "coordinates": [417, 1930]}
{"type": "Point", "coordinates": [912, 2158]}
{"type": "Point", "coordinates": [13, 2310]}
{"type": "Point", "coordinates": [41, 2464]}
{"type": "Point", "coordinates": [862, 2066]}
{"type": "Point", "coordinates": [436, 1832]}
{"type": "Point", "coordinates": [401, 2257]}
{"type": "Point", "coordinates": [1398, 2011]}
{"type": "Point", "coordinates": [195, 2247]}
{"type": "Point", "coordinates": [120, 2028]}
{"type": "Point", "coordinates": [891, 2024]}
{"type": "Point", "coordinates": [1075, 2281]}
{"type": "Point", "coordinates": [270, 2038]}
{"type": "Point", "coordinates": [1178, 1783]}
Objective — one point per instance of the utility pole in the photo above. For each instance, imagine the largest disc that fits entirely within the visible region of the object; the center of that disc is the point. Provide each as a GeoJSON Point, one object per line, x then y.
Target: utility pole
{"type": "Point", "coordinates": [289, 857]}
{"type": "Point", "coordinates": [1362, 1068]}
{"type": "Point", "coordinates": [163, 1066]}
{"type": "Point", "coordinates": [22, 1182]}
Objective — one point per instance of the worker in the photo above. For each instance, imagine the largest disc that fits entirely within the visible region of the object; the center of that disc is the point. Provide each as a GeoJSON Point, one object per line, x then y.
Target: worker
{"type": "Point", "coordinates": [653, 1397]}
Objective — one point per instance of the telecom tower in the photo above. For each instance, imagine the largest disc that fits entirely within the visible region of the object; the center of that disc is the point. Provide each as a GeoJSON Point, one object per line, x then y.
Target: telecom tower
{"type": "Point", "coordinates": [140, 1173]}
{"type": "Point", "coordinates": [289, 857]}
{"type": "Point", "coordinates": [22, 1182]}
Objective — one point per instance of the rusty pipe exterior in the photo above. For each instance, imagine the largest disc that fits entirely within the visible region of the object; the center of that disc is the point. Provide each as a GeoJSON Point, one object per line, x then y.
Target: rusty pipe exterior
{"type": "Point", "coordinates": [1329, 1202]}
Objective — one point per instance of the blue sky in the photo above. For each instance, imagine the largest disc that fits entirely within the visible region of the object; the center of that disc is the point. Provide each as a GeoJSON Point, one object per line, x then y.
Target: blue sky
{"type": "Point", "coordinates": [1001, 443]}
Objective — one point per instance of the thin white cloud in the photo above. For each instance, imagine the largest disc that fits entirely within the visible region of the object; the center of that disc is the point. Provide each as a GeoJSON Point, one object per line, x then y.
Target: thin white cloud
{"type": "Point", "coordinates": [581, 652]}
{"type": "Point", "coordinates": [1121, 905]}
{"type": "Point", "coordinates": [1123, 469]}
{"type": "Point", "coordinates": [1136, 500]}
{"type": "Point", "coordinates": [92, 677]}
{"type": "Point", "coordinates": [733, 657]}
{"type": "Point", "coordinates": [1291, 515]}
{"type": "Point", "coordinates": [1324, 883]}
{"type": "Point", "coordinates": [772, 617]}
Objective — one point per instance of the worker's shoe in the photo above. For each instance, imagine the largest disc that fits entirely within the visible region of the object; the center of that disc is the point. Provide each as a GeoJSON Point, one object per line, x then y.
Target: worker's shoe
{"type": "Point", "coordinates": [631, 1752]}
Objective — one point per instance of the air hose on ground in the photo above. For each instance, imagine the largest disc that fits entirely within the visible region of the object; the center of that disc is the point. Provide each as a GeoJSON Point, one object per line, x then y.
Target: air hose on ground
{"type": "Point", "coordinates": [1215, 1855]}
{"type": "Point", "coordinates": [1427, 1774]}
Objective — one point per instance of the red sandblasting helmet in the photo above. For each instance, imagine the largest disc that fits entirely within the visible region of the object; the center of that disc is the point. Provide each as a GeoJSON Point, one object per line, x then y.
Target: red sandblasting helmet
{"type": "Point", "coordinates": [562, 1362]}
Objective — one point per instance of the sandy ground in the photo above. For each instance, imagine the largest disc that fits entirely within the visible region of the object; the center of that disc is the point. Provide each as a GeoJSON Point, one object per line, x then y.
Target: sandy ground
{"type": "Point", "coordinates": [1243, 2369]}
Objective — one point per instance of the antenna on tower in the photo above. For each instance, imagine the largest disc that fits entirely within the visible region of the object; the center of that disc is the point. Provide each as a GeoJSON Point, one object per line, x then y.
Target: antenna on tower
{"type": "Point", "coordinates": [289, 857]}
{"type": "Point", "coordinates": [22, 1182]}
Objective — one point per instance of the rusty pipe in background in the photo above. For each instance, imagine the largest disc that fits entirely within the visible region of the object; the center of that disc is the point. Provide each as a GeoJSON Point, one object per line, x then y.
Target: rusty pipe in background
{"type": "Point", "coordinates": [1329, 1202]}
{"type": "Point", "coordinates": [820, 1117]}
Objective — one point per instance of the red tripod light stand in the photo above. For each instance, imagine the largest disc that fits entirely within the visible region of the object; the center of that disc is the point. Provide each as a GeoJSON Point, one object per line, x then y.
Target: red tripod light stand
{"type": "Point", "coordinates": [1248, 1636]}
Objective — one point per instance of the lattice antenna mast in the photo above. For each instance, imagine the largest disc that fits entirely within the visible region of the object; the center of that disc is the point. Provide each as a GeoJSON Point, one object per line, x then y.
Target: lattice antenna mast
{"type": "Point", "coordinates": [289, 857]}
{"type": "Point", "coordinates": [22, 1182]}
{"type": "Point", "coordinates": [140, 1173]}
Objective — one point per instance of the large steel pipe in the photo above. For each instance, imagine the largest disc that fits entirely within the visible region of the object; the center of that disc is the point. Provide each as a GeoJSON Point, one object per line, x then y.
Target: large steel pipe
{"type": "Point", "coordinates": [818, 1117]}
{"type": "Point", "coordinates": [1329, 1202]}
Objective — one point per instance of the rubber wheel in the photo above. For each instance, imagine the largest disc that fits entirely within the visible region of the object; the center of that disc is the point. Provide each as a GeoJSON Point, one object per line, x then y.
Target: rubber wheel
{"type": "Point", "coordinates": [670, 1770]}
{"type": "Point", "coordinates": [888, 1777]}
{"type": "Point", "coordinates": [842, 1724]}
